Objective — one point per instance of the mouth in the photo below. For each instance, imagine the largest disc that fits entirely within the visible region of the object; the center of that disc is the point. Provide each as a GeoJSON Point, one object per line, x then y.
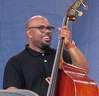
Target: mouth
{"type": "Point", "coordinates": [47, 38]}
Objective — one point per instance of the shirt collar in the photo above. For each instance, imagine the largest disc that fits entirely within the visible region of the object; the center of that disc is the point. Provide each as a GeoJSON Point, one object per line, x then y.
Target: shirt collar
{"type": "Point", "coordinates": [35, 53]}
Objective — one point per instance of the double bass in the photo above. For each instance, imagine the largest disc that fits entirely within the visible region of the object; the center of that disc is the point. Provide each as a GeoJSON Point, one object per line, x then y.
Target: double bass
{"type": "Point", "coordinates": [66, 79]}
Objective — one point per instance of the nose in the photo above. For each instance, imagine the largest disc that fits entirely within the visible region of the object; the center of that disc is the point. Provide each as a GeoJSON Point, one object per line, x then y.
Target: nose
{"type": "Point", "coordinates": [48, 31]}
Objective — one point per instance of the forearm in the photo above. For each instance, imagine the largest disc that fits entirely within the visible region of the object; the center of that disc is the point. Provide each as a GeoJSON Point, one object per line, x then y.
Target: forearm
{"type": "Point", "coordinates": [78, 58]}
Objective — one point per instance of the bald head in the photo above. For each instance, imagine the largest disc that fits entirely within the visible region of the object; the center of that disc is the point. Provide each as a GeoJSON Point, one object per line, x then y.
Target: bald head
{"type": "Point", "coordinates": [38, 40]}
{"type": "Point", "coordinates": [33, 21]}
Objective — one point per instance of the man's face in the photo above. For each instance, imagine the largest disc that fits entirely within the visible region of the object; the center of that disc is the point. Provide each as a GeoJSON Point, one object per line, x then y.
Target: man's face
{"type": "Point", "coordinates": [40, 39]}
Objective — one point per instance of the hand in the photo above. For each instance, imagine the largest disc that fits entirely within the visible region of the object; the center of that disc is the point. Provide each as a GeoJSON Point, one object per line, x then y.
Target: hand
{"type": "Point", "coordinates": [65, 33]}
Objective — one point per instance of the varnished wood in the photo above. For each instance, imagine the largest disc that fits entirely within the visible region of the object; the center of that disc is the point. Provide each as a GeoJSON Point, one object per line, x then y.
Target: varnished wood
{"type": "Point", "coordinates": [73, 81]}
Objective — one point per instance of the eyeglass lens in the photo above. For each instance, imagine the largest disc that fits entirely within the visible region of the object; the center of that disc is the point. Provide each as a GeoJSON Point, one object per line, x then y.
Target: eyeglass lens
{"type": "Point", "coordinates": [43, 28]}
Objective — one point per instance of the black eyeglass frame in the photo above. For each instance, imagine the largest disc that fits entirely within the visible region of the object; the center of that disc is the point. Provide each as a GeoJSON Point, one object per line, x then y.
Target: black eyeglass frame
{"type": "Point", "coordinates": [41, 27]}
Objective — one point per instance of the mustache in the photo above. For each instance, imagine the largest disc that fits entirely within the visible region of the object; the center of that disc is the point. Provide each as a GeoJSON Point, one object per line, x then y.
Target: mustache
{"type": "Point", "coordinates": [47, 34]}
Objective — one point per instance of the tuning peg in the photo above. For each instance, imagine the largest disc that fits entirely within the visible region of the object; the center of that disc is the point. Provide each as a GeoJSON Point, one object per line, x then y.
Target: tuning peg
{"type": "Point", "coordinates": [80, 13]}
{"type": "Point", "coordinates": [85, 6]}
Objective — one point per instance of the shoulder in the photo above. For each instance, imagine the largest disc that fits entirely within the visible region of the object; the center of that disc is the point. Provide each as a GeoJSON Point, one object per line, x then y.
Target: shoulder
{"type": "Point", "coordinates": [67, 57]}
{"type": "Point", "coordinates": [65, 51]}
{"type": "Point", "coordinates": [53, 50]}
{"type": "Point", "coordinates": [16, 59]}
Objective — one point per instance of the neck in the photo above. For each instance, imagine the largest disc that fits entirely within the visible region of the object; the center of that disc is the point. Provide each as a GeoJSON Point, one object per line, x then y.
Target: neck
{"type": "Point", "coordinates": [40, 50]}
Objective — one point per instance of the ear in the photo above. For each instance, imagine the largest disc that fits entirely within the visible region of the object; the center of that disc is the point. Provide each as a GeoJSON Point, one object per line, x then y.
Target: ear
{"type": "Point", "coordinates": [29, 33]}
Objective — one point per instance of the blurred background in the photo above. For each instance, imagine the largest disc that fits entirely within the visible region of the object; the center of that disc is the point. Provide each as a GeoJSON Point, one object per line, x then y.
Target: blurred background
{"type": "Point", "coordinates": [15, 13]}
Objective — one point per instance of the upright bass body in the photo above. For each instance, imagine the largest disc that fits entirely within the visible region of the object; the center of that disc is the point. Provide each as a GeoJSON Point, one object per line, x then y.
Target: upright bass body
{"type": "Point", "coordinates": [73, 81]}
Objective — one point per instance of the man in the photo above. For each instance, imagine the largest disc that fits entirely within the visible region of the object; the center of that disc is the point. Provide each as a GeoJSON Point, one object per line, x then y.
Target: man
{"type": "Point", "coordinates": [29, 68]}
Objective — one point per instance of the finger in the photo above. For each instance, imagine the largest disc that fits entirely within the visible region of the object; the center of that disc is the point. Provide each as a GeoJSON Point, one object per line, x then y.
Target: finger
{"type": "Point", "coordinates": [60, 29]}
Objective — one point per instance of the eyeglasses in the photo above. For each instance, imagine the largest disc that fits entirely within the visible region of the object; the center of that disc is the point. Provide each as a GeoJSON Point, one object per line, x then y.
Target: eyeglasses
{"type": "Point", "coordinates": [43, 28]}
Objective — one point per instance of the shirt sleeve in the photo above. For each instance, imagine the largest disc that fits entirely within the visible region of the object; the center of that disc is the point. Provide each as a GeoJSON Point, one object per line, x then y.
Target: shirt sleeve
{"type": "Point", "coordinates": [67, 57]}
{"type": "Point", "coordinates": [13, 76]}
